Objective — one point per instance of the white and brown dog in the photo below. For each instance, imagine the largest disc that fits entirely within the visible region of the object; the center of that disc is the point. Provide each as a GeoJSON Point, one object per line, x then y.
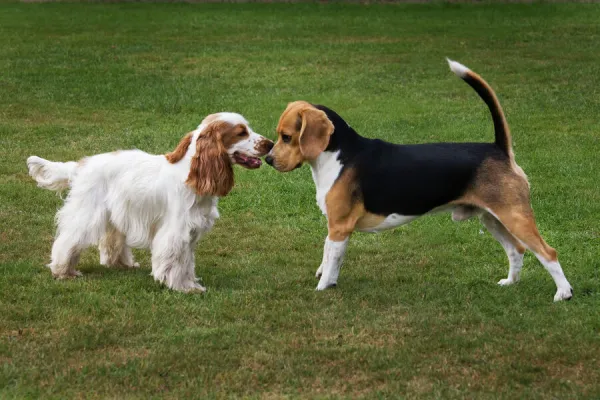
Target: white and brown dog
{"type": "Point", "coordinates": [370, 185]}
{"type": "Point", "coordinates": [134, 199]}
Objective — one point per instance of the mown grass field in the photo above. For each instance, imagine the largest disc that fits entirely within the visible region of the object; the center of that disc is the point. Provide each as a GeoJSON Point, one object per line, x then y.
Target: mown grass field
{"type": "Point", "coordinates": [417, 313]}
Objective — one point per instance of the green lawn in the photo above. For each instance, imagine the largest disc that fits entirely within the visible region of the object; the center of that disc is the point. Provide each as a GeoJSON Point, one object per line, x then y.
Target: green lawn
{"type": "Point", "coordinates": [417, 312]}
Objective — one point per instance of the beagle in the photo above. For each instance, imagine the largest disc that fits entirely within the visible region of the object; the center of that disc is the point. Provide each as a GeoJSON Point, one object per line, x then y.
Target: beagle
{"type": "Point", "coordinates": [369, 185]}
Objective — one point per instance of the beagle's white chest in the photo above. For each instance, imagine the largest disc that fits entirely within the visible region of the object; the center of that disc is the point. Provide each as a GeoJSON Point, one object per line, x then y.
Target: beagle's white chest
{"type": "Point", "coordinates": [325, 170]}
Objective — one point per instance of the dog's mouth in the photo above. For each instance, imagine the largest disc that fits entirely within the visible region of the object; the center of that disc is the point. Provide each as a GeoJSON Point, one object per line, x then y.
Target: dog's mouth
{"type": "Point", "coordinates": [246, 161]}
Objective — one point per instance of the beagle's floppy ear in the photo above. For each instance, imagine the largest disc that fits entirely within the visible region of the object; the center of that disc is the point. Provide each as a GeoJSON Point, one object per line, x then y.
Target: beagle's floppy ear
{"type": "Point", "coordinates": [315, 132]}
{"type": "Point", "coordinates": [211, 172]}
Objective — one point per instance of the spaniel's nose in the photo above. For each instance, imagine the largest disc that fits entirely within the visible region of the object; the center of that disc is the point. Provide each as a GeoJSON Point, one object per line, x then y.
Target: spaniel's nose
{"type": "Point", "coordinates": [270, 145]}
{"type": "Point", "coordinates": [269, 160]}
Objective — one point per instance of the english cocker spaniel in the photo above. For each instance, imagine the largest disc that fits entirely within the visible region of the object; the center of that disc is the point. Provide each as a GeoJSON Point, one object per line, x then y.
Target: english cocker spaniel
{"type": "Point", "coordinates": [132, 199]}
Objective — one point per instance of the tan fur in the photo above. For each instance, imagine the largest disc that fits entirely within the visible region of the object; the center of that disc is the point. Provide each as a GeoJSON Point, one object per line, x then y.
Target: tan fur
{"type": "Point", "coordinates": [498, 109]}
{"type": "Point", "coordinates": [230, 135]}
{"type": "Point", "coordinates": [369, 221]}
{"type": "Point", "coordinates": [310, 130]}
{"type": "Point", "coordinates": [344, 206]}
{"type": "Point", "coordinates": [182, 148]}
{"type": "Point", "coordinates": [315, 132]}
{"type": "Point", "coordinates": [505, 192]}
{"type": "Point", "coordinates": [211, 172]}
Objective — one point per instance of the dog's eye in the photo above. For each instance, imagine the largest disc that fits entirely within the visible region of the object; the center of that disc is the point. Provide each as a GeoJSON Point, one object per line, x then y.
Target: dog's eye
{"type": "Point", "coordinates": [286, 138]}
{"type": "Point", "coordinates": [242, 133]}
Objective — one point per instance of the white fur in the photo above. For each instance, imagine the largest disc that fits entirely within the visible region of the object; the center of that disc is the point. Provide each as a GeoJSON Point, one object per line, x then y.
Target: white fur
{"type": "Point", "coordinates": [564, 291]}
{"type": "Point", "coordinates": [391, 221]}
{"type": "Point", "coordinates": [459, 69]}
{"type": "Point", "coordinates": [515, 259]}
{"type": "Point", "coordinates": [134, 199]}
{"type": "Point", "coordinates": [563, 287]}
{"type": "Point", "coordinates": [325, 170]}
{"type": "Point", "coordinates": [51, 175]}
{"type": "Point", "coordinates": [333, 257]}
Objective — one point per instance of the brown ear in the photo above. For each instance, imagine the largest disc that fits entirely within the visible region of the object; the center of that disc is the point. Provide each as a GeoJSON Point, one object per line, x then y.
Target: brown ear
{"type": "Point", "coordinates": [315, 132]}
{"type": "Point", "coordinates": [211, 172]}
{"type": "Point", "coordinates": [182, 148]}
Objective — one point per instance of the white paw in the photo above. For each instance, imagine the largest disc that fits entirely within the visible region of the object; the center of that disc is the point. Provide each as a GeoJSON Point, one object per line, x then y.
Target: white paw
{"type": "Point", "coordinates": [195, 288]}
{"type": "Point", "coordinates": [506, 282]}
{"type": "Point", "coordinates": [325, 285]}
{"type": "Point", "coordinates": [563, 294]}
{"type": "Point", "coordinates": [69, 275]}
{"type": "Point", "coordinates": [135, 265]}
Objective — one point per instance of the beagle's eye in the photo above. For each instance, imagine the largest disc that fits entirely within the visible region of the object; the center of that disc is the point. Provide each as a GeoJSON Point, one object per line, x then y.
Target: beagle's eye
{"type": "Point", "coordinates": [286, 138]}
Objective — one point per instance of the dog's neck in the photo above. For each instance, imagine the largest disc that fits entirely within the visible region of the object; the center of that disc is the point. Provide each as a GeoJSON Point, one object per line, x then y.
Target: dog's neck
{"type": "Point", "coordinates": [325, 170]}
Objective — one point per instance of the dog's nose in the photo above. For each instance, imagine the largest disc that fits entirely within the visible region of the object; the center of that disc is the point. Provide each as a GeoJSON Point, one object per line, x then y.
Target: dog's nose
{"type": "Point", "coordinates": [270, 145]}
{"type": "Point", "coordinates": [269, 160]}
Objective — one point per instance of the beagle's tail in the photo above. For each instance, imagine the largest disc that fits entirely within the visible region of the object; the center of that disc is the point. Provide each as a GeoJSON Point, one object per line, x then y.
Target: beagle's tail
{"type": "Point", "coordinates": [484, 90]}
{"type": "Point", "coordinates": [51, 175]}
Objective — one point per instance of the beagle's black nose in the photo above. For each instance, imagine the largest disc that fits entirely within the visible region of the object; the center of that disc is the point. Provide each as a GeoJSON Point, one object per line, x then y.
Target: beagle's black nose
{"type": "Point", "coordinates": [269, 160]}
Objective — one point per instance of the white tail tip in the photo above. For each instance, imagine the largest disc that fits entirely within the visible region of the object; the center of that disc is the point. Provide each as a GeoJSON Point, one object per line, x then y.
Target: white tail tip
{"type": "Point", "coordinates": [458, 68]}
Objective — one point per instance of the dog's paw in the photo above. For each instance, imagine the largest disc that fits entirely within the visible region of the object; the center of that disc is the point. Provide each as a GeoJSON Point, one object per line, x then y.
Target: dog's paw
{"type": "Point", "coordinates": [195, 288]}
{"type": "Point", "coordinates": [506, 282]}
{"type": "Point", "coordinates": [563, 294]}
{"type": "Point", "coordinates": [323, 286]}
{"type": "Point", "coordinates": [319, 273]}
{"type": "Point", "coordinates": [134, 265]}
{"type": "Point", "coordinates": [69, 275]}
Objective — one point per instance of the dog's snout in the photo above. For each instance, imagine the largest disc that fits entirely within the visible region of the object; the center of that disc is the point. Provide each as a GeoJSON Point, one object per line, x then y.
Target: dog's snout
{"type": "Point", "coordinates": [269, 160]}
{"type": "Point", "coordinates": [270, 145]}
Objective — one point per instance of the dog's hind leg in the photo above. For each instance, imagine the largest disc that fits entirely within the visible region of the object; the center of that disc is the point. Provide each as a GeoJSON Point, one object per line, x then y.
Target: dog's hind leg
{"type": "Point", "coordinates": [79, 224]}
{"type": "Point", "coordinates": [519, 221]}
{"type": "Point", "coordinates": [114, 251]}
{"type": "Point", "coordinates": [65, 255]}
{"type": "Point", "coordinates": [514, 250]}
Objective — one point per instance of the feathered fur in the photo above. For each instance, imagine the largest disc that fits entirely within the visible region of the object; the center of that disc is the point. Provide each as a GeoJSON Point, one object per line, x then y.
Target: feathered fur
{"type": "Point", "coordinates": [132, 199]}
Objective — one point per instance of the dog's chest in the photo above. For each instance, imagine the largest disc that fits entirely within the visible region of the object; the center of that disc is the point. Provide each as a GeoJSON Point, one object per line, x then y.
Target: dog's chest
{"type": "Point", "coordinates": [325, 170]}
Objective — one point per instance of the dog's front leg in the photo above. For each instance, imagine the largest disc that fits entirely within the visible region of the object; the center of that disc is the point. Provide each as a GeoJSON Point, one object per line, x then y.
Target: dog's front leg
{"type": "Point", "coordinates": [320, 269]}
{"type": "Point", "coordinates": [333, 256]}
{"type": "Point", "coordinates": [173, 261]}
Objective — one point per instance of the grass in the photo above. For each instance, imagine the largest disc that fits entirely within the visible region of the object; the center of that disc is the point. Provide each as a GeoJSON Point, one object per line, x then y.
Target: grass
{"type": "Point", "coordinates": [417, 313]}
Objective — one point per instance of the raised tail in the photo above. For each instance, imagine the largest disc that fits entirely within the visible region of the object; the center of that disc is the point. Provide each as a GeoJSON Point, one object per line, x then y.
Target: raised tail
{"type": "Point", "coordinates": [485, 91]}
{"type": "Point", "coordinates": [51, 175]}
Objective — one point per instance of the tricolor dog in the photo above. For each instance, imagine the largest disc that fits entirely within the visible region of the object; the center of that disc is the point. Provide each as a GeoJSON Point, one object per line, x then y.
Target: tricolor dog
{"type": "Point", "coordinates": [369, 185]}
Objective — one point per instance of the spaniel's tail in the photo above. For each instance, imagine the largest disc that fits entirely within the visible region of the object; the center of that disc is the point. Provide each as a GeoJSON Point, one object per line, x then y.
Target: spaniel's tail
{"type": "Point", "coordinates": [484, 90]}
{"type": "Point", "coordinates": [51, 175]}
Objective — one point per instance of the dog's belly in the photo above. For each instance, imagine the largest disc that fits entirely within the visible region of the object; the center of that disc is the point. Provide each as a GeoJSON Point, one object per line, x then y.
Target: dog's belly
{"type": "Point", "coordinates": [378, 223]}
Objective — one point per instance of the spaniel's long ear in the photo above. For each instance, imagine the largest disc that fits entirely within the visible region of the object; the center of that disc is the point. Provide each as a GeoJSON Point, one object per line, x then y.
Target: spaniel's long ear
{"type": "Point", "coordinates": [315, 132]}
{"type": "Point", "coordinates": [211, 172]}
{"type": "Point", "coordinates": [176, 155]}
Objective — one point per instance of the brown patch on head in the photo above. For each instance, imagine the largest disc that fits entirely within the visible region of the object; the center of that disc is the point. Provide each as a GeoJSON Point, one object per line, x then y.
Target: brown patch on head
{"type": "Point", "coordinates": [211, 172]}
{"type": "Point", "coordinates": [304, 133]}
{"type": "Point", "coordinates": [234, 134]}
{"type": "Point", "coordinates": [182, 148]}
